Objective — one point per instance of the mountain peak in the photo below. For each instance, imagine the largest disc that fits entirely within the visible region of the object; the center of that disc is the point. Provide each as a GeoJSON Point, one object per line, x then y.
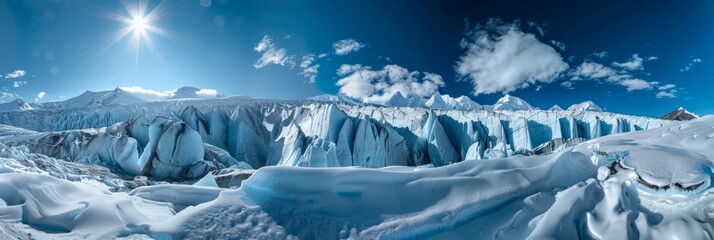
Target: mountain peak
{"type": "Point", "coordinates": [508, 102]}
{"type": "Point", "coordinates": [437, 102]}
{"type": "Point", "coordinates": [680, 114]}
{"type": "Point", "coordinates": [556, 108]}
{"type": "Point", "coordinates": [397, 100]}
{"type": "Point", "coordinates": [585, 106]}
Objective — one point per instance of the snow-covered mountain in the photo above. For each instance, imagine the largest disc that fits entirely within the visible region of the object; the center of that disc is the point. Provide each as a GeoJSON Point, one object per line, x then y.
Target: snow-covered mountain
{"type": "Point", "coordinates": [585, 106]}
{"type": "Point", "coordinates": [397, 100]}
{"type": "Point", "coordinates": [118, 96]}
{"type": "Point", "coordinates": [17, 104]}
{"type": "Point", "coordinates": [102, 98]}
{"type": "Point", "coordinates": [436, 101]}
{"type": "Point", "coordinates": [680, 114]}
{"type": "Point", "coordinates": [511, 103]}
{"type": "Point", "coordinates": [332, 98]}
{"type": "Point", "coordinates": [555, 108]}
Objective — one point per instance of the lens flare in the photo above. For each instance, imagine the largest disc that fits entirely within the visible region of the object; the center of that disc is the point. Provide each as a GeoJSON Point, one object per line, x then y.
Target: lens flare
{"type": "Point", "coordinates": [138, 22]}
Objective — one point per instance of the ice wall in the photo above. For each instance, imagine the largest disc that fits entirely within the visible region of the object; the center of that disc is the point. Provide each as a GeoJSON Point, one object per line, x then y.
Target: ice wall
{"type": "Point", "coordinates": [312, 134]}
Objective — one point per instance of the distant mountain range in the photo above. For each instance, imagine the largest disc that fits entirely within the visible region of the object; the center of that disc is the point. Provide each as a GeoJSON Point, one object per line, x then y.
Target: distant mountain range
{"type": "Point", "coordinates": [110, 97]}
{"type": "Point", "coordinates": [446, 102]}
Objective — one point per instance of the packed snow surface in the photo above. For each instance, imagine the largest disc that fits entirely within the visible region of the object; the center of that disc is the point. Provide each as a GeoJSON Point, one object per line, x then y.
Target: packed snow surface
{"type": "Point", "coordinates": [263, 169]}
{"type": "Point", "coordinates": [599, 189]}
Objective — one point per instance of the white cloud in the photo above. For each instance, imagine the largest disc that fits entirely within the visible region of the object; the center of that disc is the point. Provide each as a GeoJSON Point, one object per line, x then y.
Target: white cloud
{"type": "Point", "coordinates": [7, 96]}
{"type": "Point", "coordinates": [634, 63]}
{"type": "Point", "coordinates": [539, 87]}
{"type": "Point", "coordinates": [348, 68]}
{"type": "Point", "coordinates": [665, 87]}
{"type": "Point", "coordinates": [376, 86]}
{"type": "Point", "coordinates": [207, 93]}
{"type": "Point", "coordinates": [272, 54]}
{"type": "Point", "coordinates": [667, 94]}
{"type": "Point", "coordinates": [153, 95]}
{"type": "Point", "coordinates": [636, 84]}
{"type": "Point", "coordinates": [537, 27]}
{"type": "Point", "coordinates": [601, 55]}
{"type": "Point", "coordinates": [691, 64]}
{"type": "Point", "coordinates": [501, 58]}
{"type": "Point", "coordinates": [309, 69]}
{"type": "Point", "coordinates": [594, 70]}
{"type": "Point", "coordinates": [18, 84]}
{"type": "Point", "coordinates": [346, 46]}
{"type": "Point", "coordinates": [597, 72]}
{"type": "Point", "coordinates": [558, 44]}
{"type": "Point", "coordinates": [16, 74]}
{"type": "Point", "coordinates": [567, 84]}
{"type": "Point", "coordinates": [147, 94]}
{"type": "Point", "coordinates": [652, 58]}
{"type": "Point", "coordinates": [40, 95]}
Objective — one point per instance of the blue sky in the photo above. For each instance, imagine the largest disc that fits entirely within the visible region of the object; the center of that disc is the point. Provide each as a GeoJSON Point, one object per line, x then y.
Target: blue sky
{"type": "Point", "coordinates": [633, 57]}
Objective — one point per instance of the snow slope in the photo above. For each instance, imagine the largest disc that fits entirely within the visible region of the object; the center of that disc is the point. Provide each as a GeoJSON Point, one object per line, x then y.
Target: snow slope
{"type": "Point", "coordinates": [653, 184]}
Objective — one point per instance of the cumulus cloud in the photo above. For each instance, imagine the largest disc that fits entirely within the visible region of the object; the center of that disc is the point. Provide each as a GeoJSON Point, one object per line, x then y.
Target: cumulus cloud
{"type": "Point", "coordinates": [207, 93]}
{"type": "Point", "coordinates": [691, 64]}
{"type": "Point", "coordinates": [537, 27]}
{"type": "Point", "coordinates": [272, 54]}
{"type": "Point", "coordinates": [40, 95]}
{"type": "Point", "coordinates": [153, 95]}
{"type": "Point", "coordinates": [667, 86]}
{"type": "Point", "coordinates": [376, 86]}
{"type": "Point", "coordinates": [567, 84]}
{"type": "Point", "coordinates": [667, 94]}
{"type": "Point", "coordinates": [18, 84]}
{"type": "Point", "coordinates": [590, 70]}
{"type": "Point", "coordinates": [6, 96]}
{"type": "Point", "coordinates": [594, 70]}
{"type": "Point", "coordinates": [348, 68]}
{"type": "Point", "coordinates": [499, 57]}
{"type": "Point", "coordinates": [634, 63]}
{"type": "Point", "coordinates": [636, 84]}
{"type": "Point", "coordinates": [558, 44]}
{"type": "Point", "coordinates": [309, 69]}
{"type": "Point", "coordinates": [667, 91]}
{"type": "Point", "coordinates": [16, 74]}
{"type": "Point", "coordinates": [601, 55]}
{"type": "Point", "coordinates": [346, 46]}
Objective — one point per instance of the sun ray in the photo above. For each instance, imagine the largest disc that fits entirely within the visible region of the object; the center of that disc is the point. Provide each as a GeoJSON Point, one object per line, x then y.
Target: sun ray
{"type": "Point", "coordinates": [138, 25]}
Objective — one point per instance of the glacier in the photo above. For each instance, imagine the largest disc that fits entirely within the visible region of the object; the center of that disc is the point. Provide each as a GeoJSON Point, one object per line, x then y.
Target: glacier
{"type": "Point", "coordinates": [236, 168]}
{"type": "Point", "coordinates": [157, 138]}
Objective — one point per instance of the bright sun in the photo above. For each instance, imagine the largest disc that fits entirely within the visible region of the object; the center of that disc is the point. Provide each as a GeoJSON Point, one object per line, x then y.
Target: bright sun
{"type": "Point", "coordinates": [139, 24]}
